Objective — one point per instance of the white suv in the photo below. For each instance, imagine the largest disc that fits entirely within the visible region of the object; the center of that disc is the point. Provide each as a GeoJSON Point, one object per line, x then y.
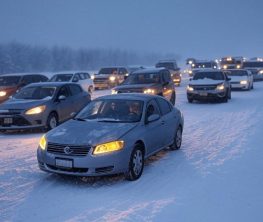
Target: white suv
{"type": "Point", "coordinates": [82, 78]}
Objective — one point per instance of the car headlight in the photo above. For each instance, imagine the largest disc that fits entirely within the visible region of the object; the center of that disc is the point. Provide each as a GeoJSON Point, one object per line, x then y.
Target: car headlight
{"type": "Point", "coordinates": [224, 66]}
{"type": "Point", "coordinates": [114, 91]}
{"type": "Point", "coordinates": [2, 93]}
{"type": "Point", "coordinates": [190, 72]}
{"type": "Point", "coordinates": [261, 71]}
{"type": "Point", "coordinates": [92, 77]}
{"type": "Point", "coordinates": [220, 87]}
{"type": "Point", "coordinates": [36, 110]}
{"type": "Point", "coordinates": [112, 78]}
{"type": "Point", "coordinates": [43, 142]}
{"type": "Point", "coordinates": [190, 88]}
{"type": "Point", "coordinates": [149, 91]}
{"type": "Point", "coordinates": [243, 82]}
{"type": "Point", "coordinates": [238, 66]}
{"type": "Point", "coordinates": [108, 147]}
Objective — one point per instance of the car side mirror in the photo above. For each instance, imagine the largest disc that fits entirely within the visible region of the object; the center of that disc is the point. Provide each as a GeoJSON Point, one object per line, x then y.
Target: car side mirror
{"type": "Point", "coordinates": [153, 118]}
{"type": "Point", "coordinates": [61, 97]}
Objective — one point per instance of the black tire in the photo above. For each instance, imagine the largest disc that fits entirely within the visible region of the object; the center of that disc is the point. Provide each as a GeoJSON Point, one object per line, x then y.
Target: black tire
{"type": "Point", "coordinates": [252, 87]}
{"type": "Point", "coordinates": [190, 100]}
{"type": "Point", "coordinates": [177, 139]}
{"type": "Point", "coordinates": [225, 99]}
{"type": "Point", "coordinates": [172, 100]}
{"type": "Point", "coordinates": [52, 121]}
{"type": "Point", "coordinates": [136, 164]}
{"type": "Point", "coordinates": [229, 94]}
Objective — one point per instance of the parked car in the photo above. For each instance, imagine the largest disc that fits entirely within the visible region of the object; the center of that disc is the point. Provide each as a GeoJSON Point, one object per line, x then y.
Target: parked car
{"type": "Point", "coordinates": [256, 67]}
{"type": "Point", "coordinates": [209, 85]}
{"type": "Point", "coordinates": [155, 81]}
{"type": "Point", "coordinates": [174, 70]}
{"type": "Point", "coordinates": [241, 79]}
{"type": "Point", "coordinates": [109, 77]}
{"type": "Point", "coordinates": [118, 132]}
{"type": "Point", "coordinates": [82, 78]}
{"type": "Point", "coordinates": [10, 83]}
{"type": "Point", "coordinates": [42, 105]}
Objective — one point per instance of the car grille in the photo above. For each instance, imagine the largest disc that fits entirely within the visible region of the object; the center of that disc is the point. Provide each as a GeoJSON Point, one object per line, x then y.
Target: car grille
{"type": "Point", "coordinates": [11, 112]}
{"type": "Point", "coordinates": [68, 150]}
{"type": "Point", "coordinates": [100, 80]}
{"type": "Point", "coordinates": [17, 121]}
{"type": "Point", "coordinates": [235, 82]}
{"type": "Point", "coordinates": [130, 90]}
{"type": "Point", "coordinates": [213, 87]}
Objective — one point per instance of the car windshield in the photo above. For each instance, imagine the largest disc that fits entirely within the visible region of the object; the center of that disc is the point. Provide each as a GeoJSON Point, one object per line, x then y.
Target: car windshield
{"type": "Point", "coordinates": [9, 80]}
{"type": "Point", "coordinates": [61, 78]}
{"type": "Point", "coordinates": [116, 110]}
{"type": "Point", "coordinates": [167, 65]}
{"type": "Point", "coordinates": [209, 75]}
{"type": "Point", "coordinates": [36, 92]}
{"type": "Point", "coordinates": [143, 78]}
{"type": "Point", "coordinates": [237, 73]}
{"type": "Point", "coordinates": [108, 71]}
{"type": "Point", "coordinates": [253, 64]}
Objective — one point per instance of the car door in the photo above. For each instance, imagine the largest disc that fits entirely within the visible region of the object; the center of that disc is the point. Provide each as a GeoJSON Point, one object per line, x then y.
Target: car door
{"type": "Point", "coordinates": [78, 96]}
{"type": "Point", "coordinates": [168, 85]}
{"type": "Point", "coordinates": [153, 130]}
{"type": "Point", "coordinates": [169, 121]}
{"type": "Point", "coordinates": [64, 106]}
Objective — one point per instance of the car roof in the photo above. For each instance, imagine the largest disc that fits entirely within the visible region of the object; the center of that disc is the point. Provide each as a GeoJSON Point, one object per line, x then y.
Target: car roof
{"type": "Point", "coordinates": [113, 67]}
{"type": "Point", "coordinates": [55, 84]}
{"type": "Point", "coordinates": [22, 74]}
{"type": "Point", "coordinates": [149, 70]}
{"type": "Point", "coordinates": [130, 96]}
{"type": "Point", "coordinates": [69, 72]}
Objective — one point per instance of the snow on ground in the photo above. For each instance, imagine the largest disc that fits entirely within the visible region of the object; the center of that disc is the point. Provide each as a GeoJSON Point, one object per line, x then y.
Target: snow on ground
{"type": "Point", "coordinates": [216, 176]}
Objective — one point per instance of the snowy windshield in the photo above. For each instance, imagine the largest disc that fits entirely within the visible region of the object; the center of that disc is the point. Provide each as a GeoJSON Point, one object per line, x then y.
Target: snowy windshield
{"type": "Point", "coordinates": [253, 64]}
{"type": "Point", "coordinates": [209, 75]}
{"type": "Point", "coordinates": [9, 80]}
{"type": "Point", "coordinates": [143, 78]}
{"type": "Point", "coordinates": [237, 73]}
{"type": "Point", "coordinates": [36, 92]}
{"type": "Point", "coordinates": [108, 71]}
{"type": "Point", "coordinates": [112, 111]}
{"type": "Point", "coordinates": [61, 78]}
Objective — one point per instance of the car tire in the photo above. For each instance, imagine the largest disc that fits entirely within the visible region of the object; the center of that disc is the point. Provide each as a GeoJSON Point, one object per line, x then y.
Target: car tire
{"type": "Point", "coordinates": [136, 164]}
{"type": "Point", "coordinates": [172, 100]}
{"type": "Point", "coordinates": [190, 100]}
{"type": "Point", "coordinates": [225, 98]}
{"type": "Point", "coordinates": [252, 87]}
{"type": "Point", "coordinates": [52, 121]}
{"type": "Point", "coordinates": [177, 139]}
{"type": "Point", "coordinates": [90, 90]}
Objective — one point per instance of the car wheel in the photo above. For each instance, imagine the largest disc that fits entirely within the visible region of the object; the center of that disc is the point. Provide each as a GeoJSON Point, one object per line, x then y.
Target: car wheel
{"type": "Point", "coordinates": [190, 100]}
{"type": "Point", "coordinates": [252, 87]}
{"type": "Point", "coordinates": [177, 139]}
{"type": "Point", "coordinates": [52, 121]}
{"type": "Point", "coordinates": [90, 89]}
{"type": "Point", "coordinates": [225, 98]}
{"type": "Point", "coordinates": [172, 100]}
{"type": "Point", "coordinates": [136, 164]}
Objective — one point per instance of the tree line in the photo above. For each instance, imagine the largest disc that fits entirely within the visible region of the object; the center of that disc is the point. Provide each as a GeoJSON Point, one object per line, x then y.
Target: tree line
{"type": "Point", "coordinates": [19, 57]}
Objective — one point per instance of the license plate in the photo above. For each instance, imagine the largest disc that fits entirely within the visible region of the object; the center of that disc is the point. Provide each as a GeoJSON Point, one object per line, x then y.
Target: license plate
{"type": "Point", "coordinates": [203, 93]}
{"type": "Point", "coordinates": [8, 120]}
{"type": "Point", "coordinates": [64, 163]}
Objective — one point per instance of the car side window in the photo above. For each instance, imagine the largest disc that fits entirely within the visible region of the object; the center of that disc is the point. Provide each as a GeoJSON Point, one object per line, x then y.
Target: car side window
{"type": "Point", "coordinates": [27, 80]}
{"type": "Point", "coordinates": [75, 89]}
{"type": "Point", "coordinates": [166, 76]}
{"type": "Point", "coordinates": [82, 76]}
{"type": "Point", "coordinates": [43, 78]}
{"type": "Point", "coordinates": [164, 106]}
{"type": "Point", "coordinates": [76, 78]}
{"type": "Point", "coordinates": [63, 92]}
{"type": "Point", "coordinates": [87, 75]}
{"type": "Point", "coordinates": [152, 108]}
{"type": "Point", "coordinates": [122, 71]}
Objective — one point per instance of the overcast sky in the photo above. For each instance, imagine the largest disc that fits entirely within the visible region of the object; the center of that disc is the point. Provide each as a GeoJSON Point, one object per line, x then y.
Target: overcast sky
{"type": "Point", "coordinates": [193, 28]}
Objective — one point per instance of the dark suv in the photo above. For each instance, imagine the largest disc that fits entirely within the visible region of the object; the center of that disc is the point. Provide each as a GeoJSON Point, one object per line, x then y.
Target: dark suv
{"type": "Point", "coordinates": [171, 65]}
{"type": "Point", "coordinates": [155, 81]}
{"type": "Point", "coordinates": [10, 83]}
{"type": "Point", "coordinates": [209, 85]}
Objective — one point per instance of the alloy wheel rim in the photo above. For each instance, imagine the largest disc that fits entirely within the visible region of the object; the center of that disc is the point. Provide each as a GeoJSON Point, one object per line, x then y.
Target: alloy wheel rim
{"type": "Point", "coordinates": [178, 137]}
{"type": "Point", "coordinates": [137, 162]}
{"type": "Point", "coordinates": [53, 122]}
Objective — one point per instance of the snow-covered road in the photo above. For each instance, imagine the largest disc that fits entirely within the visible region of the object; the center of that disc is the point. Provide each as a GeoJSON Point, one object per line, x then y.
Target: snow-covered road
{"type": "Point", "coordinates": [216, 176]}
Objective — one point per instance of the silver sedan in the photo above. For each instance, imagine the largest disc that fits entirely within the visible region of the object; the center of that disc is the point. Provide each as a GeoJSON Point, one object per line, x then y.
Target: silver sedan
{"type": "Point", "coordinates": [113, 134]}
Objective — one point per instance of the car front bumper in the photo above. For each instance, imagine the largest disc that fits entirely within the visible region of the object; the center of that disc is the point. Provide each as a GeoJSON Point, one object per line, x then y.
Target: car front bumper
{"type": "Point", "coordinates": [239, 86]}
{"type": "Point", "coordinates": [88, 165]}
{"type": "Point", "coordinates": [206, 95]}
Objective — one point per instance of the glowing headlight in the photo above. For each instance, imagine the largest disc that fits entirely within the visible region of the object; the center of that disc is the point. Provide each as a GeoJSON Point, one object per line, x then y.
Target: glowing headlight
{"type": "Point", "coordinates": [2, 93]}
{"type": "Point", "coordinates": [149, 91]}
{"type": "Point", "coordinates": [190, 88]}
{"type": "Point", "coordinates": [260, 72]}
{"type": "Point", "coordinates": [224, 66]}
{"type": "Point", "coordinates": [36, 110]}
{"type": "Point", "coordinates": [43, 142]}
{"type": "Point", "coordinates": [92, 77]}
{"type": "Point", "coordinates": [190, 71]}
{"type": "Point", "coordinates": [114, 91]}
{"type": "Point", "coordinates": [108, 147]}
{"type": "Point", "coordinates": [112, 78]}
{"type": "Point", "coordinates": [238, 66]}
{"type": "Point", "coordinates": [220, 87]}
{"type": "Point", "coordinates": [243, 82]}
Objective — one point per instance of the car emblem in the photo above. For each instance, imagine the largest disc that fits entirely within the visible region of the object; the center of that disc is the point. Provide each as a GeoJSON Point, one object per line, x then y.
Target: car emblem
{"type": "Point", "coordinates": [67, 150]}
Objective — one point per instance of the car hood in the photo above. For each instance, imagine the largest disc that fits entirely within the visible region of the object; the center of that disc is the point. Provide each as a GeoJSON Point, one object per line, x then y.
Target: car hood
{"type": "Point", "coordinates": [135, 86]}
{"type": "Point", "coordinates": [88, 132]}
{"type": "Point", "coordinates": [205, 82]}
{"type": "Point", "coordinates": [21, 104]}
{"type": "Point", "coordinates": [237, 78]}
